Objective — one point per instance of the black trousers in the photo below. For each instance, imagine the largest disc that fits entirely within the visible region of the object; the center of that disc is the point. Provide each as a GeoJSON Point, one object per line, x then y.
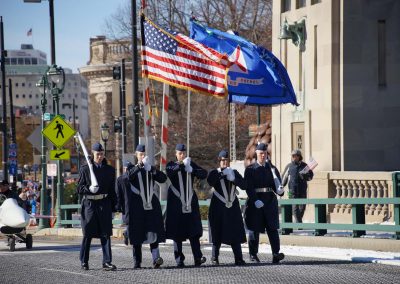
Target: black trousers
{"type": "Point", "coordinates": [273, 236]}
{"type": "Point", "coordinates": [236, 248]}
{"type": "Point", "coordinates": [105, 246]}
{"type": "Point", "coordinates": [137, 252]}
{"type": "Point", "coordinates": [195, 245]}
{"type": "Point", "coordinates": [299, 209]}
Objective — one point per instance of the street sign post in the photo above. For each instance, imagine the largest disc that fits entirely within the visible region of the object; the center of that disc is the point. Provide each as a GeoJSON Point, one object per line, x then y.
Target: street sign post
{"type": "Point", "coordinates": [60, 154]}
{"type": "Point", "coordinates": [58, 131]}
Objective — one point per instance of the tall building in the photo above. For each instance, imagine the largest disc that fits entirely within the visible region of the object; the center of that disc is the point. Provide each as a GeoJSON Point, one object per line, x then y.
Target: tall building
{"type": "Point", "coordinates": [25, 67]}
{"type": "Point", "coordinates": [345, 74]}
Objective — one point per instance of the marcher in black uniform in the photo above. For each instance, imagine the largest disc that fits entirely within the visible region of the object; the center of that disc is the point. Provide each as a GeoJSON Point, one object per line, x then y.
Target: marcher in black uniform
{"type": "Point", "coordinates": [224, 215]}
{"type": "Point", "coordinates": [97, 207]}
{"type": "Point", "coordinates": [126, 167]}
{"type": "Point", "coordinates": [295, 174]}
{"type": "Point", "coordinates": [261, 213]}
{"type": "Point", "coordinates": [183, 215]}
{"type": "Point", "coordinates": [141, 208]}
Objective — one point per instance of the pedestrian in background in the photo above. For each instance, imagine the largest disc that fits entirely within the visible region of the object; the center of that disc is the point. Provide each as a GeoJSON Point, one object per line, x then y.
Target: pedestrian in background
{"type": "Point", "coordinates": [297, 174]}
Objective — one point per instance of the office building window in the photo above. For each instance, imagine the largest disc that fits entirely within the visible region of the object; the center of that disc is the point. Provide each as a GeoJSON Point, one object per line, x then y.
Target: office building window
{"type": "Point", "coordinates": [285, 5]}
{"type": "Point", "coordinates": [27, 61]}
{"type": "Point", "coordinates": [16, 84]}
{"type": "Point", "coordinates": [315, 57]}
{"type": "Point", "coordinates": [23, 96]}
{"type": "Point", "coordinates": [29, 85]}
{"type": "Point", "coordinates": [382, 53]}
{"type": "Point", "coordinates": [23, 84]}
{"type": "Point", "coordinates": [34, 61]}
{"type": "Point", "coordinates": [300, 3]}
{"type": "Point", "coordinates": [300, 70]}
{"type": "Point", "coordinates": [13, 61]}
{"type": "Point", "coordinates": [17, 96]}
{"type": "Point", "coordinates": [30, 96]}
{"type": "Point", "coordinates": [37, 96]}
{"type": "Point", "coordinates": [7, 61]}
{"type": "Point", "coordinates": [20, 61]}
{"type": "Point", "coordinates": [37, 107]}
{"type": "Point", "coordinates": [315, 2]}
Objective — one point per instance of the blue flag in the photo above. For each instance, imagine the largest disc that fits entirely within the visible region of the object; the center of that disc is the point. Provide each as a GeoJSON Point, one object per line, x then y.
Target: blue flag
{"type": "Point", "coordinates": [257, 77]}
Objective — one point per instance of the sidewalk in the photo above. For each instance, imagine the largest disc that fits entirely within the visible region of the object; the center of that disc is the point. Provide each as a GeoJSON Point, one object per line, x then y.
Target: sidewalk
{"type": "Point", "coordinates": [300, 238]}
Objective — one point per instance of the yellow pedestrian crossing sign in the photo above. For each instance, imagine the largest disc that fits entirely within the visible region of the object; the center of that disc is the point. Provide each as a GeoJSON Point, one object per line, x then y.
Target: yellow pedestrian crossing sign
{"type": "Point", "coordinates": [62, 154]}
{"type": "Point", "coordinates": [58, 131]}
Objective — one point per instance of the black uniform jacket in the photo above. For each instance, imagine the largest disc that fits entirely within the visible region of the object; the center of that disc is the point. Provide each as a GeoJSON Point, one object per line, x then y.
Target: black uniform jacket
{"type": "Point", "coordinates": [96, 215]}
{"type": "Point", "coordinates": [258, 220]}
{"type": "Point", "coordinates": [297, 181]}
{"type": "Point", "coordinates": [181, 226]}
{"type": "Point", "coordinates": [226, 224]}
{"type": "Point", "coordinates": [139, 220]}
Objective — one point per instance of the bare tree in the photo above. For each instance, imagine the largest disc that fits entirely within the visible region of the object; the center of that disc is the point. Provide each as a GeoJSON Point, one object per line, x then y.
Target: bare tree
{"type": "Point", "coordinates": [250, 18]}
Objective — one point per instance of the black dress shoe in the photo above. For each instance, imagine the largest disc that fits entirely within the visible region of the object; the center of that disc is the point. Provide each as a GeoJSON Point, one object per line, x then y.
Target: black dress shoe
{"type": "Point", "coordinates": [277, 257]}
{"type": "Point", "coordinates": [254, 258]}
{"type": "Point", "coordinates": [109, 267]}
{"type": "Point", "coordinates": [199, 261]}
{"type": "Point", "coordinates": [240, 262]}
{"type": "Point", "coordinates": [85, 266]}
{"type": "Point", "coordinates": [180, 264]}
{"type": "Point", "coordinates": [158, 262]}
{"type": "Point", "coordinates": [137, 265]}
{"type": "Point", "coordinates": [215, 261]}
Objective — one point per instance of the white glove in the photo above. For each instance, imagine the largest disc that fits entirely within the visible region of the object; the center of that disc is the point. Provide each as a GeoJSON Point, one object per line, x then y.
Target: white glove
{"type": "Point", "coordinates": [188, 169]}
{"type": "Point", "coordinates": [93, 189]}
{"type": "Point", "coordinates": [231, 175]}
{"type": "Point", "coordinates": [226, 171]}
{"type": "Point", "coordinates": [187, 161]}
{"type": "Point", "coordinates": [146, 164]}
{"type": "Point", "coordinates": [259, 204]}
{"type": "Point", "coordinates": [280, 190]}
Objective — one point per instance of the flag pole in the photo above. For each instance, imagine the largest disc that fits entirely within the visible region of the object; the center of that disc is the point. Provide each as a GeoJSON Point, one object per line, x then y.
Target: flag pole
{"type": "Point", "coordinates": [188, 146]}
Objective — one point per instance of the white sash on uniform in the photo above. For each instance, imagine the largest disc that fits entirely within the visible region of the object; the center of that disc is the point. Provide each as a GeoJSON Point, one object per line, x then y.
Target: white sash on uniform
{"type": "Point", "coordinates": [146, 196]}
{"type": "Point", "coordinates": [227, 198]}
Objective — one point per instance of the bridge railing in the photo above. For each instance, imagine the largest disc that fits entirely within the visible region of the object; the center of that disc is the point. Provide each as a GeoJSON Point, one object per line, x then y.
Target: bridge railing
{"type": "Point", "coordinates": [359, 207]}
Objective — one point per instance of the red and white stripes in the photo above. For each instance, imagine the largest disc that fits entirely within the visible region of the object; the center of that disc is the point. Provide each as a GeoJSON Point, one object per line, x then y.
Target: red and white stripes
{"type": "Point", "coordinates": [146, 108]}
{"type": "Point", "coordinates": [164, 128]}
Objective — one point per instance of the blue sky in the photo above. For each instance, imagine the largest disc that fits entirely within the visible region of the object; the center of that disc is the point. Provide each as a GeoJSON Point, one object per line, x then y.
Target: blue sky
{"type": "Point", "coordinates": [75, 22]}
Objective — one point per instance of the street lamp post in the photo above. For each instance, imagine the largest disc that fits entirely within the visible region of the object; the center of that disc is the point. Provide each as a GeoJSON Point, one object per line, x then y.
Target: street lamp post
{"type": "Point", "coordinates": [56, 76]}
{"type": "Point", "coordinates": [105, 134]}
{"type": "Point", "coordinates": [43, 223]}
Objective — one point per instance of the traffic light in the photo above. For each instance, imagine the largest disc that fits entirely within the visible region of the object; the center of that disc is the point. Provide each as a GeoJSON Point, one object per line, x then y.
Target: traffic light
{"type": "Point", "coordinates": [117, 125]}
{"type": "Point", "coordinates": [116, 72]}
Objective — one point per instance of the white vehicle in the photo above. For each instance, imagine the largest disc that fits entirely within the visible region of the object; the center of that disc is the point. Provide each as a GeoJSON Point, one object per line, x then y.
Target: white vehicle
{"type": "Point", "coordinates": [13, 222]}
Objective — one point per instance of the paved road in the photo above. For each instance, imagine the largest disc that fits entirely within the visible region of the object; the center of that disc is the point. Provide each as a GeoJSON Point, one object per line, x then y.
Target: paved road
{"type": "Point", "coordinates": [57, 262]}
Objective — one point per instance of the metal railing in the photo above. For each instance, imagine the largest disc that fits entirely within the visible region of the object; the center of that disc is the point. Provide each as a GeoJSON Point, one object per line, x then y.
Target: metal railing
{"type": "Point", "coordinates": [358, 210]}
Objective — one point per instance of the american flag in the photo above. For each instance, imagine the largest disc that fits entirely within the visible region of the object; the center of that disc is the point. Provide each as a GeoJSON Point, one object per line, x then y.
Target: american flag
{"type": "Point", "coordinates": [29, 33]}
{"type": "Point", "coordinates": [177, 60]}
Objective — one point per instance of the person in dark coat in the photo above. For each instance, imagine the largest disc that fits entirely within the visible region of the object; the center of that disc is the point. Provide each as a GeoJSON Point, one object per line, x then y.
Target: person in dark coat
{"type": "Point", "coordinates": [224, 215]}
{"type": "Point", "coordinates": [261, 212]}
{"type": "Point", "coordinates": [141, 207]}
{"type": "Point", "coordinates": [126, 167]}
{"type": "Point", "coordinates": [183, 219]}
{"type": "Point", "coordinates": [97, 206]}
{"type": "Point", "coordinates": [297, 174]}
{"type": "Point", "coordinates": [7, 192]}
